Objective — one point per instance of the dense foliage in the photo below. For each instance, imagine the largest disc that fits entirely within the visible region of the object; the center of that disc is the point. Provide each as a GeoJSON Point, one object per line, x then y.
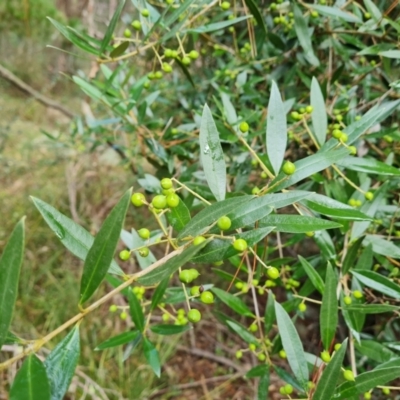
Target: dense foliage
{"type": "Point", "coordinates": [271, 148]}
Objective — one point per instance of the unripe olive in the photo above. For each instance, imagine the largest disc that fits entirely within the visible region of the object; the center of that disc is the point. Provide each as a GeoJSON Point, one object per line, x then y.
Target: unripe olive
{"type": "Point", "coordinates": [137, 199]}
{"type": "Point", "coordinates": [185, 276]}
{"type": "Point", "coordinates": [136, 25]}
{"type": "Point", "coordinates": [144, 233]}
{"type": "Point", "coordinates": [194, 54]}
{"type": "Point", "coordinates": [325, 356]}
{"type": "Point", "coordinates": [144, 252]}
{"type": "Point", "coordinates": [225, 5]}
{"type": "Point", "coordinates": [207, 297]}
{"type": "Point", "coordinates": [244, 127]}
{"type": "Point", "coordinates": [124, 255]}
{"type": "Point", "coordinates": [253, 328]}
{"type": "Point", "coordinates": [347, 300]}
{"type": "Point", "coordinates": [198, 239]}
{"type": "Point", "coordinates": [159, 201]}
{"type": "Point", "coordinates": [369, 196]}
{"type": "Point", "coordinates": [166, 183]}
{"type": "Point", "coordinates": [239, 354]}
{"type": "Point", "coordinates": [273, 273]}
{"type": "Point", "coordinates": [302, 307]}
{"type": "Point", "coordinates": [195, 291]}
{"type": "Point", "coordinates": [224, 223]}
{"type": "Point", "coordinates": [113, 308]}
{"type": "Point", "coordinates": [173, 200]}
{"type": "Point", "coordinates": [145, 12]}
{"type": "Point", "coordinates": [282, 354]}
{"type": "Point", "coordinates": [288, 168]}
{"type": "Point", "coordinates": [123, 315]}
{"type": "Point", "coordinates": [348, 375]}
{"type": "Point", "coordinates": [240, 245]}
{"type": "Point", "coordinates": [194, 315]}
{"type": "Point", "coordinates": [357, 294]}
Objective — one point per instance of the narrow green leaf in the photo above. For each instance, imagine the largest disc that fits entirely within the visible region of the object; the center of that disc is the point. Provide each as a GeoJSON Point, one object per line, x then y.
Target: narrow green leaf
{"type": "Point", "coordinates": [297, 223]}
{"type": "Point", "coordinates": [136, 311]}
{"type": "Point", "coordinates": [373, 10]}
{"type": "Point", "coordinates": [260, 207]}
{"type": "Point", "coordinates": [336, 12]}
{"type": "Point", "coordinates": [11, 338]}
{"type": "Point", "coordinates": [229, 109]}
{"type": "Point", "coordinates": [171, 265]}
{"type": "Point", "coordinates": [179, 216]}
{"type": "Point", "coordinates": [178, 12]}
{"type": "Point", "coordinates": [111, 27]}
{"type": "Point", "coordinates": [378, 282]}
{"type": "Point", "coordinates": [218, 25]}
{"type": "Point", "coordinates": [292, 345]}
{"type": "Point", "coordinates": [118, 340]}
{"type": "Point", "coordinates": [61, 363]}
{"type": "Point", "coordinates": [269, 314]}
{"type": "Point", "coordinates": [318, 116]}
{"type": "Point", "coordinates": [325, 243]}
{"type": "Point", "coordinates": [255, 210]}
{"type": "Point", "coordinates": [366, 258]}
{"type": "Point", "coordinates": [390, 54]}
{"type": "Point", "coordinates": [75, 39]}
{"type": "Point", "coordinates": [258, 17]}
{"type": "Point", "coordinates": [186, 71]}
{"type": "Point", "coordinates": [329, 309]}
{"type": "Point", "coordinates": [369, 208]}
{"type": "Point", "coordinates": [276, 138]}
{"type": "Point", "coordinates": [119, 50]}
{"type": "Point", "coordinates": [314, 276]}
{"type": "Point", "coordinates": [159, 293]}
{"type": "Point", "coordinates": [372, 308]}
{"type": "Point", "coordinates": [329, 378]}
{"type": "Point", "coordinates": [152, 357]}
{"type": "Point", "coordinates": [101, 253]}
{"type": "Point", "coordinates": [209, 215]}
{"type": "Point", "coordinates": [212, 156]}
{"type": "Point", "coordinates": [304, 36]}
{"type": "Point", "coordinates": [233, 302]}
{"type": "Point", "coordinates": [31, 381]}
{"type": "Point", "coordinates": [309, 166]}
{"type": "Point", "coordinates": [382, 246]}
{"type": "Point", "coordinates": [356, 129]}
{"type": "Point", "coordinates": [167, 330]}
{"type": "Point", "coordinates": [368, 165]}
{"type": "Point", "coordinates": [257, 371]}
{"type": "Point", "coordinates": [220, 249]}
{"type": "Point", "coordinates": [326, 206]}
{"type": "Point", "coordinates": [263, 385]}
{"type": "Point", "coordinates": [242, 332]}
{"type": "Point", "coordinates": [351, 256]}
{"type": "Point", "coordinates": [10, 267]}
{"type": "Point", "coordinates": [367, 381]}
{"type": "Point", "coordinates": [75, 238]}
{"type": "Point", "coordinates": [375, 351]}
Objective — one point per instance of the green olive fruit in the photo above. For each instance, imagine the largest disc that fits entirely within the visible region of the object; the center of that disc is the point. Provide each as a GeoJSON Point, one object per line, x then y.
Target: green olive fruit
{"type": "Point", "coordinates": [288, 168]}
{"type": "Point", "coordinates": [240, 245]}
{"type": "Point", "coordinates": [124, 255]}
{"type": "Point", "coordinates": [138, 199]}
{"type": "Point", "coordinates": [159, 202]}
{"type": "Point", "coordinates": [207, 297]}
{"type": "Point", "coordinates": [194, 315]}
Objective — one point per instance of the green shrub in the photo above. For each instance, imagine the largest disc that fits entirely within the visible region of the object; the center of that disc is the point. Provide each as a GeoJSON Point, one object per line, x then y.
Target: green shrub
{"type": "Point", "coordinates": [278, 133]}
